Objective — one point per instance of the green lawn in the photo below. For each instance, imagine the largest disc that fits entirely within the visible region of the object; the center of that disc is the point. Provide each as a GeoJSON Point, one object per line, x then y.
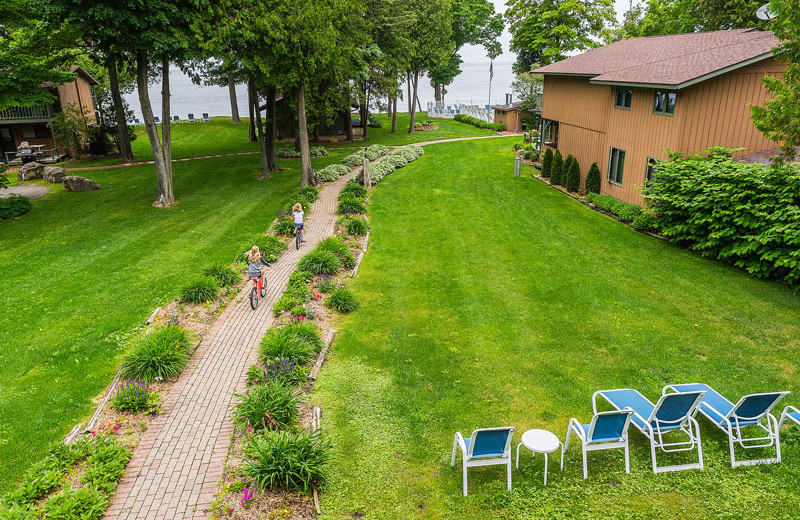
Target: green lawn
{"type": "Point", "coordinates": [489, 300]}
{"type": "Point", "coordinates": [82, 267]}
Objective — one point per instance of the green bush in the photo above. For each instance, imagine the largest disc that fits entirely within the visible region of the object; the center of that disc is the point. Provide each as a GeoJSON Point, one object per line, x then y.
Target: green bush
{"type": "Point", "coordinates": [480, 123]}
{"type": "Point", "coordinates": [645, 221]}
{"type": "Point", "coordinates": [606, 202]}
{"type": "Point", "coordinates": [270, 405]}
{"type": "Point", "coordinates": [283, 226]}
{"type": "Point", "coordinates": [199, 290]}
{"type": "Point", "coordinates": [162, 353]}
{"type": "Point", "coordinates": [555, 168]}
{"type": "Point", "coordinates": [299, 342]}
{"type": "Point", "coordinates": [348, 205]}
{"type": "Point", "coordinates": [374, 122]}
{"type": "Point", "coordinates": [270, 246]}
{"type": "Point", "coordinates": [287, 460]}
{"type": "Point", "coordinates": [565, 168]}
{"type": "Point", "coordinates": [13, 206]}
{"type": "Point", "coordinates": [354, 191]}
{"type": "Point", "coordinates": [591, 196]}
{"type": "Point", "coordinates": [341, 300]}
{"type": "Point", "coordinates": [132, 396]}
{"type": "Point", "coordinates": [105, 465]}
{"type": "Point", "coordinates": [325, 284]}
{"type": "Point", "coordinates": [353, 225]}
{"type": "Point", "coordinates": [85, 503]}
{"type": "Point", "coordinates": [332, 172]}
{"type": "Point", "coordinates": [627, 212]}
{"type": "Point", "coordinates": [309, 193]}
{"type": "Point", "coordinates": [342, 251]}
{"type": "Point", "coordinates": [547, 162]}
{"type": "Point", "coordinates": [223, 275]}
{"type": "Point", "coordinates": [574, 176]}
{"type": "Point", "coordinates": [283, 369]}
{"type": "Point", "coordinates": [745, 214]}
{"type": "Point", "coordinates": [593, 180]}
{"type": "Point", "coordinates": [291, 153]}
{"type": "Point", "coordinates": [320, 261]}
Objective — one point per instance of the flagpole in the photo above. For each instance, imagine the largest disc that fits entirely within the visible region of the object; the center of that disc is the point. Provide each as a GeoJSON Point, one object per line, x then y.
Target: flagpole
{"type": "Point", "coordinates": [489, 112]}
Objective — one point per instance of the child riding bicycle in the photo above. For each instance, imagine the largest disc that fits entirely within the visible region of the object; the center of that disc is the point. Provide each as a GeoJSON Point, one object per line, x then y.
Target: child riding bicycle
{"type": "Point", "coordinates": [299, 216]}
{"type": "Point", "coordinates": [254, 261]}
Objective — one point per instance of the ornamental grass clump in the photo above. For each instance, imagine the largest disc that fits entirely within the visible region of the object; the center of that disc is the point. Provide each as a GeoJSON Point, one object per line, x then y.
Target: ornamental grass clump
{"type": "Point", "coordinates": [271, 405]}
{"type": "Point", "coordinates": [342, 300]}
{"type": "Point", "coordinates": [354, 225]}
{"type": "Point", "coordinates": [325, 284]}
{"type": "Point", "coordinates": [161, 354]}
{"type": "Point", "coordinates": [298, 342]}
{"type": "Point", "coordinates": [310, 193]}
{"type": "Point", "coordinates": [287, 460]}
{"type": "Point", "coordinates": [355, 191]}
{"type": "Point", "coordinates": [320, 261]}
{"type": "Point", "coordinates": [200, 290]}
{"type": "Point", "coordinates": [223, 275]}
{"type": "Point", "coordinates": [283, 227]}
{"type": "Point", "coordinates": [342, 251]}
{"type": "Point", "coordinates": [351, 206]}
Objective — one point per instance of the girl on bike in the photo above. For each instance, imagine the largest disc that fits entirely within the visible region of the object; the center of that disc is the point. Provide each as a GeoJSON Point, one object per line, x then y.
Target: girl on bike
{"type": "Point", "coordinates": [254, 261]}
{"type": "Point", "coordinates": [299, 216]}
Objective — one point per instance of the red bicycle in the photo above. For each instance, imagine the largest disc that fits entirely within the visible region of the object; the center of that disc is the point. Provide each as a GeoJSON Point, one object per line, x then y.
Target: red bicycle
{"type": "Point", "coordinates": [259, 289]}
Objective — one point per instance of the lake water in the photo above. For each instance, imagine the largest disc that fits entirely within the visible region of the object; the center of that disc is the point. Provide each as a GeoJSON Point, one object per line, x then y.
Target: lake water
{"type": "Point", "coordinates": [471, 86]}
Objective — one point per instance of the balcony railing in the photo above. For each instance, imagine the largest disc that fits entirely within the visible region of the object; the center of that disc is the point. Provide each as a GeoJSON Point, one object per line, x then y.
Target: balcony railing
{"type": "Point", "coordinates": [37, 112]}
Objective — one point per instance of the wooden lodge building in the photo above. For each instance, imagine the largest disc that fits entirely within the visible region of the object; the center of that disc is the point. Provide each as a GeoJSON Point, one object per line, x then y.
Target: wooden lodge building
{"type": "Point", "coordinates": [31, 124]}
{"type": "Point", "coordinates": [624, 104]}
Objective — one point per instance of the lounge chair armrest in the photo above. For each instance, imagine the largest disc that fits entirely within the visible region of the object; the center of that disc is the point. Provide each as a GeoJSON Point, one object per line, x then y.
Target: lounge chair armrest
{"type": "Point", "coordinates": [459, 439]}
{"type": "Point", "coordinates": [575, 425]}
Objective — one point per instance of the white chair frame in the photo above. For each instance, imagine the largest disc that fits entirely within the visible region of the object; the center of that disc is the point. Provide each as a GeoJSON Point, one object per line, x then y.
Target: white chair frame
{"type": "Point", "coordinates": [785, 415]}
{"type": "Point", "coordinates": [468, 462]}
{"type": "Point", "coordinates": [586, 446]}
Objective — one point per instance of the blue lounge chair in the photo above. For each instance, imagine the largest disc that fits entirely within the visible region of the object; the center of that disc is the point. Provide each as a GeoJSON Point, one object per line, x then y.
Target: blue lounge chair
{"type": "Point", "coordinates": [672, 413]}
{"type": "Point", "coordinates": [606, 431]}
{"type": "Point", "coordinates": [176, 119]}
{"type": "Point", "coordinates": [191, 119]}
{"type": "Point", "coordinates": [791, 413]}
{"type": "Point", "coordinates": [156, 119]}
{"type": "Point", "coordinates": [206, 119]}
{"type": "Point", "coordinates": [751, 410]}
{"type": "Point", "coordinates": [486, 447]}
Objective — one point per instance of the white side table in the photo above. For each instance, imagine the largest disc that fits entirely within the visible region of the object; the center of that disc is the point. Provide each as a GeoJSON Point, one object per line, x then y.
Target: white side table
{"type": "Point", "coordinates": [539, 441]}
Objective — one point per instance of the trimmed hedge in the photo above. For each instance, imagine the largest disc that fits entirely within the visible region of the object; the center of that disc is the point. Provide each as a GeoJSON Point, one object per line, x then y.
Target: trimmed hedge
{"type": "Point", "coordinates": [547, 162]}
{"type": "Point", "coordinates": [480, 123]}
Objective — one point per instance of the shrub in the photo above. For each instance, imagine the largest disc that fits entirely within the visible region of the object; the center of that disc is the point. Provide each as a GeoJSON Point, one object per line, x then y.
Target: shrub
{"type": "Point", "coordinates": [606, 202]}
{"type": "Point", "coordinates": [309, 193]}
{"type": "Point", "coordinates": [132, 396]}
{"type": "Point", "coordinates": [271, 405]}
{"type": "Point", "coordinates": [574, 176]}
{"type": "Point", "coordinates": [286, 302]}
{"type": "Point", "coordinates": [200, 290]}
{"type": "Point", "coordinates": [480, 123]}
{"type": "Point", "coordinates": [271, 247]}
{"type": "Point", "coordinates": [353, 225]}
{"type": "Point", "coordinates": [298, 342]}
{"type": "Point", "coordinates": [555, 168]}
{"type": "Point", "coordinates": [627, 212]}
{"type": "Point", "coordinates": [355, 191]}
{"type": "Point", "coordinates": [340, 249]}
{"type": "Point", "coordinates": [291, 153]}
{"type": "Point", "coordinates": [351, 206]}
{"type": "Point", "coordinates": [320, 261]}
{"type": "Point", "coordinates": [332, 172]}
{"type": "Point", "coordinates": [13, 206]}
{"type": "Point", "coordinates": [325, 284]}
{"type": "Point", "coordinates": [281, 368]}
{"type": "Point", "coordinates": [591, 196]}
{"type": "Point", "coordinates": [105, 465]}
{"type": "Point", "coordinates": [593, 180]}
{"type": "Point", "coordinates": [86, 502]}
{"type": "Point", "coordinates": [223, 275]}
{"type": "Point", "coordinates": [342, 300]}
{"type": "Point", "coordinates": [565, 167]}
{"type": "Point", "coordinates": [645, 221]}
{"type": "Point", "coordinates": [547, 162]}
{"type": "Point", "coordinates": [162, 353]}
{"type": "Point", "coordinates": [291, 461]}
{"type": "Point", "coordinates": [374, 122]}
{"type": "Point", "coordinates": [283, 226]}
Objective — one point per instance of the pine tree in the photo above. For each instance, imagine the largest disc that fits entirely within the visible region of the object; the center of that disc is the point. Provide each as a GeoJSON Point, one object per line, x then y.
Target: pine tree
{"type": "Point", "coordinates": [547, 162]}
{"type": "Point", "coordinates": [593, 179]}
{"type": "Point", "coordinates": [565, 167]}
{"type": "Point", "coordinates": [574, 178]}
{"type": "Point", "coordinates": [555, 169]}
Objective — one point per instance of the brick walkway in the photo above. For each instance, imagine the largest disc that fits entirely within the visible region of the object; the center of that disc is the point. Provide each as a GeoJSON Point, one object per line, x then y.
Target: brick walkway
{"type": "Point", "coordinates": [175, 470]}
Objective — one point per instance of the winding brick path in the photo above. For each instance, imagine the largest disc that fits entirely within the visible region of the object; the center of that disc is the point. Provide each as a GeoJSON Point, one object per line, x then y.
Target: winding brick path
{"type": "Point", "coordinates": [175, 470]}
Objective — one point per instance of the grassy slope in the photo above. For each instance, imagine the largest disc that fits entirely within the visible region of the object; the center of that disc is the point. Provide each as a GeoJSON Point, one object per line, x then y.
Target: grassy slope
{"type": "Point", "coordinates": [81, 267]}
{"type": "Point", "coordinates": [491, 300]}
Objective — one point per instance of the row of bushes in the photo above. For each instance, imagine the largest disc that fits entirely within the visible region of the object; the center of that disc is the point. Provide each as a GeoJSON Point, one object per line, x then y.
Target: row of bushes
{"type": "Point", "coordinates": [480, 123]}
{"type": "Point", "coordinates": [631, 213]}
{"type": "Point", "coordinates": [74, 482]}
{"type": "Point", "coordinates": [567, 172]}
{"type": "Point", "coordinates": [291, 153]}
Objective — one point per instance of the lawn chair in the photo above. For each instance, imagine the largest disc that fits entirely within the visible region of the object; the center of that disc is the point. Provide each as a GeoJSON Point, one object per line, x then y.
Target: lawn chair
{"type": "Point", "coordinates": [176, 119]}
{"type": "Point", "coordinates": [206, 119]}
{"type": "Point", "coordinates": [751, 410]}
{"type": "Point", "coordinates": [191, 119]}
{"type": "Point", "coordinates": [136, 121]}
{"type": "Point", "coordinates": [671, 414]}
{"type": "Point", "coordinates": [791, 413]}
{"type": "Point", "coordinates": [156, 119]}
{"type": "Point", "coordinates": [486, 447]}
{"type": "Point", "coordinates": [608, 430]}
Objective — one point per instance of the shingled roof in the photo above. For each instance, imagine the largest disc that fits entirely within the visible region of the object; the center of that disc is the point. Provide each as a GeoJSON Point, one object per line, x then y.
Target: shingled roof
{"type": "Point", "coordinates": [675, 61]}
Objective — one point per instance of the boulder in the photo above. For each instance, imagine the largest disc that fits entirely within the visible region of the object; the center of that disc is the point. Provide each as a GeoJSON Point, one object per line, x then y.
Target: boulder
{"type": "Point", "coordinates": [75, 183]}
{"type": "Point", "coordinates": [53, 174]}
{"type": "Point", "coordinates": [31, 170]}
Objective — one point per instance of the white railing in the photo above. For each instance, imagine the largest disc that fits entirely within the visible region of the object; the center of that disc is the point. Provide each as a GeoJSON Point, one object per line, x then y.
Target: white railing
{"type": "Point", "coordinates": [449, 110]}
{"type": "Point", "coordinates": [34, 112]}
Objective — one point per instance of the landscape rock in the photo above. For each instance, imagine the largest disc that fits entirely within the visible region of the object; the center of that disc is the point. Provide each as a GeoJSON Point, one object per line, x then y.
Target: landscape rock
{"type": "Point", "coordinates": [31, 170]}
{"type": "Point", "coordinates": [76, 183]}
{"type": "Point", "coordinates": [53, 174]}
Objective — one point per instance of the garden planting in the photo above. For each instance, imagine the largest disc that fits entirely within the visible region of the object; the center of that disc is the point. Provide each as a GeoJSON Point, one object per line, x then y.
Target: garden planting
{"type": "Point", "coordinates": [480, 123]}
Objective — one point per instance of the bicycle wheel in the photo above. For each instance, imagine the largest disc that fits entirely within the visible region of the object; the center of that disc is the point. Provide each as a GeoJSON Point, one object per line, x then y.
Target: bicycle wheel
{"type": "Point", "coordinates": [297, 238]}
{"type": "Point", "coordinates": [264, 289]}
{"type": "Point", "coordinates": [254, 298]}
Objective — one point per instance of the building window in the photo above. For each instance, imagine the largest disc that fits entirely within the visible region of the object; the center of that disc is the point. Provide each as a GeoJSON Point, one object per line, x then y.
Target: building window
{"type": "Point", "coordinates": [664, 103]}
{"type": "Point", "coordinates": [616, 166]}
{"type": "Point", "coordinates": [650, 169]}
{"type": "Point", "coordinates": [28, 132]}
{"type": "Point", "coordinates": [550, 132]}
{"type": "Point", "coordinates": [622, 98]}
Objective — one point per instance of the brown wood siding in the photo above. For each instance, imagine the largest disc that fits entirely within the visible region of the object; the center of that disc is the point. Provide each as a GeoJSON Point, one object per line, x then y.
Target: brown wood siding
{"type": "Point", "coordinates": [510, 118]}
{"type": "Point", "coordinates": [576, 101]}
{"type": "Point", "coordinates": [68, 95]}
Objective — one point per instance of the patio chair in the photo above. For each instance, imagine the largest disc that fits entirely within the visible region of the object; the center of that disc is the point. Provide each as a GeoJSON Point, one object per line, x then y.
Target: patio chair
{"type": "Point", "coordinates": [486, 447]}
{"type": "Point", "coordinates": [136, 121]}
{"type": "Point", "coordinates": [791, 413]}
{"type": "Point", "coordinates": [606, 431]}
{"type": "Point", "coordinates": [176, 119]}
{"type": "Point", "coordinates": [156, 119]}
{"type": "Point", "coordinates": [206, 119]}
{"type": "Point", "coordinates": [673, 413]}
{"type": "Point", "coordinates": [191, 118]}
{"type": "Point", "coordinates": [751, 410]}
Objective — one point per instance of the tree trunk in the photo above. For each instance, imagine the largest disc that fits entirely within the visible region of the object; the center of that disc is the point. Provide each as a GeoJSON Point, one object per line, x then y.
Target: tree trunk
{"type": "Point", "coordinates": [364, 111]}
{"type": "Point", "coordinates": [272, 94]}
{"type": "Point", "coordinates": [305, 155]}
{"type": "Point", "coordinates": [252, 123]}
{"type": "Point", "coordinates": [166, 128]}
{"type": "Point", "coordinates": [408, 85]}
{"type": "Point", "coordinates": [367, 177]}
{"type": "Point", "coordinates": [389, 106]}
{"type": "Point", "coordinates": [437, 92]}
{"type": "Point", "coordinates": [234, 102]}
{"type": "Point", "coordinates": [262, 142]}
{"type": "Point", "coordinates": [394, 114]}
{"type": "Point", "coordinates": [348, 123]}
{"type": "Point", "coordinates": [415, 84]}
{"type": "Point", "coordinates": [125, 151]}
{"type": "Point", "coordinates": [150, 124]}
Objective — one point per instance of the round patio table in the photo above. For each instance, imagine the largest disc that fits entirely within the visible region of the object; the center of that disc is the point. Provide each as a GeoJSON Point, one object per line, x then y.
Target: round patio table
{"type": "Point", "coordinates": [539, 441]}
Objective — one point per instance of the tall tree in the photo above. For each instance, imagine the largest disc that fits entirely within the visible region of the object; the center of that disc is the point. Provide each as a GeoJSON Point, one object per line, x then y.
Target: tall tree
{"type": "Point", "coordinates": [472, 22]}
{"type": "Point", "coordinates": [779, 118]}
{"type": "Point", "coordinates": [546, 31]}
